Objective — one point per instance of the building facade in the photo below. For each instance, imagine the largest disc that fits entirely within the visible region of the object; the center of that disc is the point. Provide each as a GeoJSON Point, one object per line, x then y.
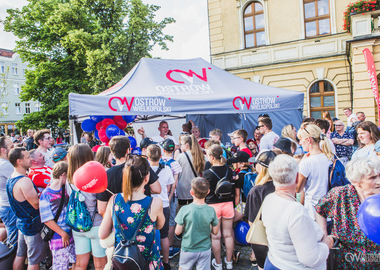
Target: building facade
{"type": "Point", "coordinates": [298, 45]}
{"type": "Point", "coordinates": [12, 77]}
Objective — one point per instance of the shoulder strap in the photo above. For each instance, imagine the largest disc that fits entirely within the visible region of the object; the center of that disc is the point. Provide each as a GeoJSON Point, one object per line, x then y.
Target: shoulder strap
{"type": "Point", "coordinates": [191, 164]}
{"type": "Point", "coordinates": [61, 204]}
{"type": "Point", "coordinates": [160, 167]}
{"type": "Point", "coordinates": [211, 170]}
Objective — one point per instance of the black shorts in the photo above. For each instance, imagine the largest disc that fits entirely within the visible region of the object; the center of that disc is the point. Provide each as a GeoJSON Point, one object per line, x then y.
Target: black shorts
{"type": "Point", "coordinates": [184, 202]}
{"type": "Point", "coordinates": [164, 232]}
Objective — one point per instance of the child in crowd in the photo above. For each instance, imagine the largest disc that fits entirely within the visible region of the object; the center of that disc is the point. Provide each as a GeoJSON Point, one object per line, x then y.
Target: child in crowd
{"type": "Point", "coordinates": [62, 243]}
{"type": "Point", "coordinates": [167, 159]}
{"type": "Point", "coordinates": [196, 221]}
{"type": "Point", "coordinates": [239, 138]}
{"type": "Point", "coordinates": [165, 177]}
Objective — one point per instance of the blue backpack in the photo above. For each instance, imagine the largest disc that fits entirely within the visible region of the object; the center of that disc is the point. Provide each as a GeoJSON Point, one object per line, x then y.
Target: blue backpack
{"type": "Point", "coordinates": [249, 181]}
{"type": "Point", "coordinates": [78, 217]}
{"type": "Point", "coordinates": [337, 174]}
{"type": "Point", "coordinates": [168, 162]}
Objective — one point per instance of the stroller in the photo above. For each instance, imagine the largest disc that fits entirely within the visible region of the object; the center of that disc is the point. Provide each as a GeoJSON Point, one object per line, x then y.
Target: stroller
{"type": "Point", "coordinates": [7, 255]}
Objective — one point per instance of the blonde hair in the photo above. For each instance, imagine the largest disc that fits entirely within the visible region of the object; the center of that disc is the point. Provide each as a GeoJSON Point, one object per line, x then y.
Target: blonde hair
{"type": "Point", "coordinates": [78, 155]}
{"type": "Point", "coordinates": [217, 152]}
{"type": "Point", "coordinates": [263, 176]}
{"type": "Point", "coordinates": [314, 132]}
{"type": "Point", "coordinates": [59, 169]}
{"type": "Point", "coordinates": [196, 152]}
{"type": "Point", "coordinates": [287, 132]}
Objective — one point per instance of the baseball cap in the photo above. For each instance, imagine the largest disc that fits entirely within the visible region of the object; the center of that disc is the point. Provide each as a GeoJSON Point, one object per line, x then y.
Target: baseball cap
{"type": "Point", "coordinates": [284, 144]}
{"type": "Point", "coordinates": [265, 158]}
{"type": "Point", "coordinates": [377, 147]}
{"type": "Point", "coordinates": [146, 142]}
{"type": "Point", "coordinates": [168, 145]}
{"type": "Point", "coordinates": [239, 156]}
{"type": "Point", "coordinates": [58, 154]}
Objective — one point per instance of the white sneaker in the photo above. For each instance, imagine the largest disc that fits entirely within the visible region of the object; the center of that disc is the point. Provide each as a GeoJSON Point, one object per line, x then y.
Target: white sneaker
{"type": "Point", "coordinates": [229, 265]}
{"type": "Point", "coordinates": [216, 266]}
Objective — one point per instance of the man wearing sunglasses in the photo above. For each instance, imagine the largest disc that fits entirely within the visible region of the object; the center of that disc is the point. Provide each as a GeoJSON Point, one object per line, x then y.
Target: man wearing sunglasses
{"type": "Point", "coordinates": [43, 139]}
{"type": "Point", "coordinates": [269, 137]}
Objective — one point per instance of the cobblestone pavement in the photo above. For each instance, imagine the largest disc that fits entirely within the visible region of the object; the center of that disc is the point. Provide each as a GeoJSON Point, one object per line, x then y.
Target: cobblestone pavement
{"type": "Point", "coordinates": [243, 263]}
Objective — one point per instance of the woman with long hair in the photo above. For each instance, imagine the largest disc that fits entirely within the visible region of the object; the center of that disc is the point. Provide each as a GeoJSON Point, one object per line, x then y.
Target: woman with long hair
{"type": "Point", "coordinates": [192, 163]}
{"type": "Point", "coordinates": [326, 115]}
{"type": "Point", "coordinates": [85, 242]}
{"type": "Point", "coordinates": [290, 132]}
{"type": "Point", "coordinates": [313, 174]}
{"type": "Point", "coordinates": [104, 156]}
{"type": "Point", "coordinates": [223, 206]}
{"type": "Point", "coordinates": [368, 135]}
{"type": "Point", "coordinates": [263, 187]}
{"type": "Point", "coordinates": [126, 210]}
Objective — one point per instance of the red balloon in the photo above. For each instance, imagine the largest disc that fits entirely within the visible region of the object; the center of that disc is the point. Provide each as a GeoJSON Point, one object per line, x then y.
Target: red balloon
{"type": "Point", "coordinates": [106, 122]}
{"type": "Point", "coordinates": [117, 118]}
{"type": "Point", "coordinates": [91, 177]}
{"type": "Point", "coordinates": [102, 135]}
{"type": "Point", "coordinates": [95, 148]}
{"type": "Point", "coordinates": [98, 126]}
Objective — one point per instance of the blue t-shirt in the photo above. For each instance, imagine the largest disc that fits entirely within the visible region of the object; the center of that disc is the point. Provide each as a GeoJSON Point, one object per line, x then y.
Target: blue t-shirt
{"type": "Point", "coordinates": [49, 203]}
{"type": "Point", "coordinates": [342, 150]}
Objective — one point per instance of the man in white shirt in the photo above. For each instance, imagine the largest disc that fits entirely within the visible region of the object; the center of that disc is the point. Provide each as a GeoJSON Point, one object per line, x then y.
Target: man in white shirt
{"type": "Point", "coordinates": [44, 141]}
{"type": "Point", "coordinates": [164, 129]}
{"type": "Point", "coordinates": [269, 138]}
{"type": "Point", "coordinates": [351, 118]}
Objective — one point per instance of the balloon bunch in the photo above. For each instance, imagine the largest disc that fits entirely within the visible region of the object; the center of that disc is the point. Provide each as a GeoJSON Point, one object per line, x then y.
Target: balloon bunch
{"type": "Point", "coordinates": [106, 127]}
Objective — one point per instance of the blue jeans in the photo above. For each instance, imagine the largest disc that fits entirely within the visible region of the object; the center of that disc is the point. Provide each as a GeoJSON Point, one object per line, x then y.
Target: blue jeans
{"type": "Point", "coordinates": [9, 219]}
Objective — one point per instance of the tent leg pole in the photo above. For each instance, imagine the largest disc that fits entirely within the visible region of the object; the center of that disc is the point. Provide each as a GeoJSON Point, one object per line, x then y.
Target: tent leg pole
{"type": "Point", "coordinates": [71, 126]}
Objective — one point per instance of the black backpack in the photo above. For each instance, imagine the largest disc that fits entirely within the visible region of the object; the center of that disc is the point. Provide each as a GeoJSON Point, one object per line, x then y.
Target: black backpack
{"type": "Point", "coordinates": [224, 188]}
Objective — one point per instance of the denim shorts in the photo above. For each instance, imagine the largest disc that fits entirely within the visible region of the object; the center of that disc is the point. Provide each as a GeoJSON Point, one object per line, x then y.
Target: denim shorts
{"type": "Point", "coordinates": [9, 219]}
{"type": "Point", "coordinates": [86, 242]}
{"type": "Point", "coordinates": [173, 210]}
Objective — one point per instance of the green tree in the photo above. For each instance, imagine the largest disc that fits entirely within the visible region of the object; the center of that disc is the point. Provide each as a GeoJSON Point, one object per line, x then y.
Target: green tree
{"type": "Point", "coordinates": [80, 46]}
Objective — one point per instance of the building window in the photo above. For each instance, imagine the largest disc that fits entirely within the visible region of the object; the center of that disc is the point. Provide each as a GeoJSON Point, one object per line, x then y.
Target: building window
{"type": "Point", "coordinates": [322, 98]}
{"type": "Point", "coordinates": [3, 90]}
{"type": "Point", "coordinates": [317, 17]}
{"type": "Point", "coordinates": [17, 89]}
{"type": "Point", "coordinates": [2, 67]}
{"type": "Point", "coordinates": [37, 106]}
{"type": "Point", "coordinates": [254, 25]}
{"type": "Point", "coordinates": [18, 108]}
{"type": "Point", "coordinates": [14, 69]}
{"type": "Point", "coordinates": [4, 108]}
{"type": "Point", "coordinates": [27, 108]}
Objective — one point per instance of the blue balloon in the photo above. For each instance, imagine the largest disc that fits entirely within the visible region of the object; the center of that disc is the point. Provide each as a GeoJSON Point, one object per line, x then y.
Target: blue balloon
{"type": "Point", "coordinates": [96, 134]}
{"type": "Point", "coordinates": [112, 131]}
{"type": "Point", "coordinates": [136, 151]}
{"type": "Point", "coordinates": [369, 218]}
{"type": "Point", "coordinates": [88, 125]}
{"type": "Point", "coordinates": [96, 118]}
{"type": "Point", "coordinates": [133, 141]}
{"type": "Point", "coordinates": [122, 133]}
{"type": "Point", "coordinates": [241, 230]}
{"type": "Point", "coordinates": [129, 118]}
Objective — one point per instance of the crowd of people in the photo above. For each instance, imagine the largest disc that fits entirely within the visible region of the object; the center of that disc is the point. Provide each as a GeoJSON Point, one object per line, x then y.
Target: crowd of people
{"type": "Point", "coordinates": [194, 189]}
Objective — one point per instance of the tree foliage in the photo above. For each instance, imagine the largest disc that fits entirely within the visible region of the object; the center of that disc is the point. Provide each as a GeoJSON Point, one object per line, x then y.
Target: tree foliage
{"type": "Point", "coordinates": [80, 46]}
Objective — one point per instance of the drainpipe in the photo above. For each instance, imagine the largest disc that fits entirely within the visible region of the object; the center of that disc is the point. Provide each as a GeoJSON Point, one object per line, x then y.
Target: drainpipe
{"type": "Point", "coordinates": [348, 50]}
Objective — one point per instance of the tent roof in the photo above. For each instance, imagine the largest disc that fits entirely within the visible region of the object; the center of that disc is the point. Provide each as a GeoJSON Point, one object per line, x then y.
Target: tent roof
{"type": "Point", "coordinates": [194, 86]}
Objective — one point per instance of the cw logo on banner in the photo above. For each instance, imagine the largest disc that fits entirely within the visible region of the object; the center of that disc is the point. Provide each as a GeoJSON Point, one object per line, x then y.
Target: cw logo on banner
{"type": "Point", "coordinates": [120, 103]}
{"type": "Point", "coordinates": [188, 76]}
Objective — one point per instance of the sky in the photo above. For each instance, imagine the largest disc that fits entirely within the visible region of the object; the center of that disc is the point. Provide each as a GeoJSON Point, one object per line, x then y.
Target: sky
{"type": "Point", "coordinates": [190, 31]}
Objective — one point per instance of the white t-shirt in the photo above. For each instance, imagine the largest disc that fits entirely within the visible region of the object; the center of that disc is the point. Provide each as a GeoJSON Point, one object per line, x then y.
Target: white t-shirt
{"type": "Point", "coordinates": [294, 238]}
{"type": "Point", "coordinates": [6, 170]}
{"type": "Point", "coordinates": [351, 119]}
{"type": "Point", "coordinates": [165, 177]}
{"type": "Point", "coordinates": [268, 140]}
{"type": "Point", "coordinates": [48, 158]}
{"type": "Point", "coordinates": [316, 169]}
{"type": "Point", "coordinates": [366, 151]}
{"type": "Point", "coordinates": [159, 139]}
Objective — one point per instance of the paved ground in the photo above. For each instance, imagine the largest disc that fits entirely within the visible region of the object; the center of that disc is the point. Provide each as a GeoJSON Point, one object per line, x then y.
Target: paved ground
{"type": "Point", "coordinates": [243, 263]}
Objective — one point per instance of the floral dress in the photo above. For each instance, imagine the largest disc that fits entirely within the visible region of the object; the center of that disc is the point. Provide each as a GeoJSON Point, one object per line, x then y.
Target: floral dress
{"type": "Point", "coordinates": [130, 214]}
{"type": "Point", "coordinates": [341, 204]}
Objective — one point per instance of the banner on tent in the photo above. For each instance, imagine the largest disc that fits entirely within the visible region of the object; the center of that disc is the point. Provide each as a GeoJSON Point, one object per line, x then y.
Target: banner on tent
{"type": "Point", "coordinates": [261, 103]}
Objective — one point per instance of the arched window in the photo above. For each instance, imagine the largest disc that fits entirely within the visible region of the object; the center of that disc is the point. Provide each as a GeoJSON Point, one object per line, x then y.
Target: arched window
{"type": "Point", "coordinates": [254, 25]}
{"type": "Point", "coordinates": [322, 98]}
{"type": "Point", "coordinates": [317, 17]}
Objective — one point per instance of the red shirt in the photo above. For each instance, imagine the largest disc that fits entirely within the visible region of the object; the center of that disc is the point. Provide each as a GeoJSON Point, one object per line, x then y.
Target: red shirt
{"type": "Point", "coordinates": [40, 176]}
{"type": "Point", "coordinates": [247, 151]}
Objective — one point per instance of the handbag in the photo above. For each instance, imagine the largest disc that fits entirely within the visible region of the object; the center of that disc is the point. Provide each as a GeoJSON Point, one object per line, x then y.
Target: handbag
{"type": "Point", "coordinates": [127, 254]}
{"type": "Point", "coordinates": [46, 232]}
{"type": "Point", "coordinates": [191, 164]}
{"type": "Point", "coordinates": [257, 232]}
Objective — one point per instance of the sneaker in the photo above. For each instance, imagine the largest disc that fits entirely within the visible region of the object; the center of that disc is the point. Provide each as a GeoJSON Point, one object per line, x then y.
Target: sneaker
{"type": "Point", "coordinates": [216, 266]}
{"type": "Point", "coordinates": [229, 265]}
{"type": "Point", "coordinates": [173, 251]}
{"type": "Point", "coordinates": [178, 237]}
{"type": "Point", "coordinates": [254, 263]}
{"type": "Point", "coordinates": [236, 256]}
